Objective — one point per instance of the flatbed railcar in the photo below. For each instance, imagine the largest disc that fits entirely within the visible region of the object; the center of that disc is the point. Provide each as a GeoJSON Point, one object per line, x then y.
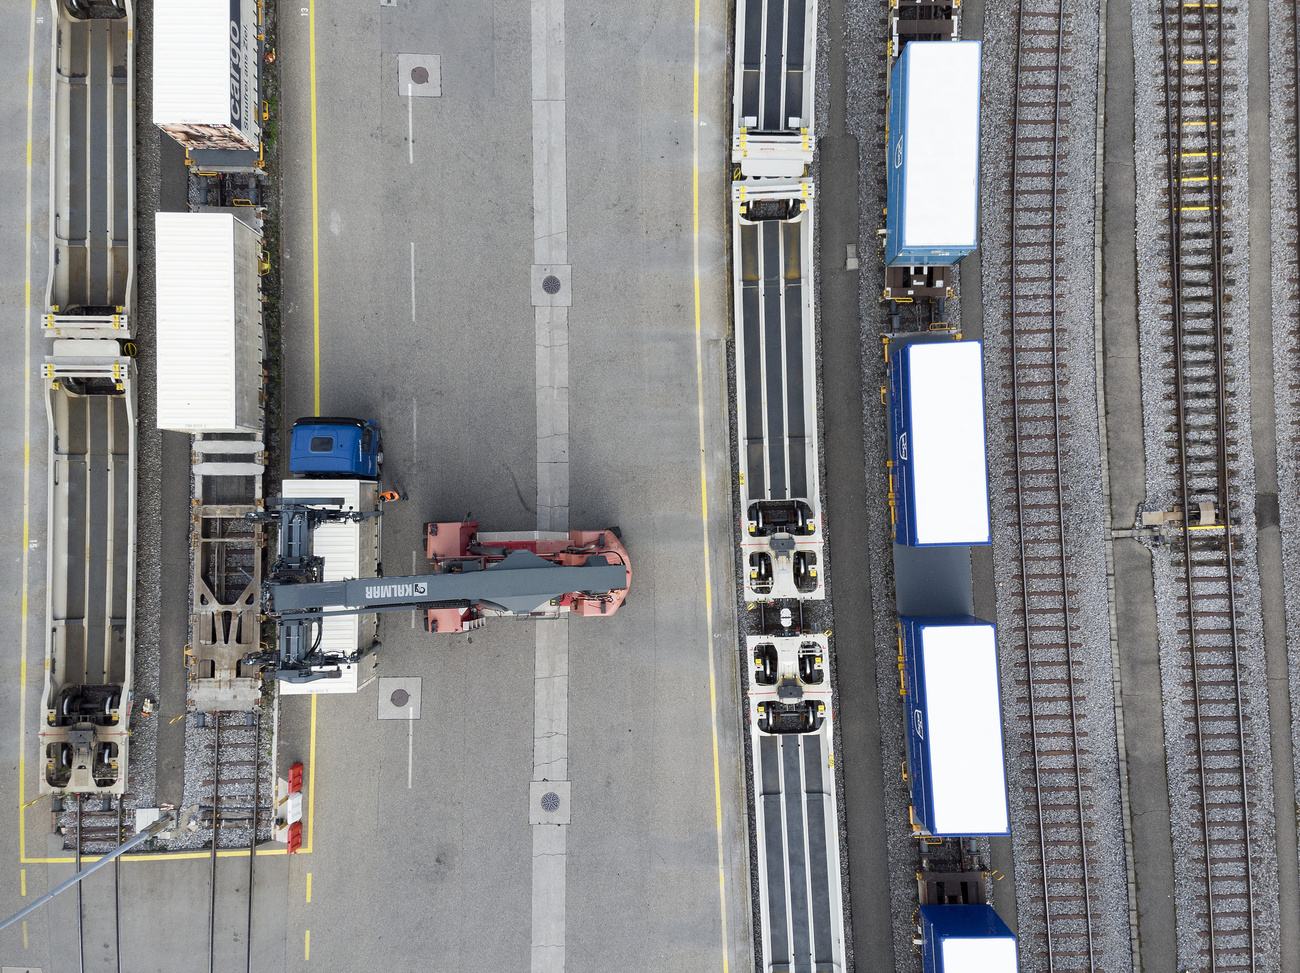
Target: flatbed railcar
{"type": "Point", "coordinates": [796, 820]}
{"type": "Point", "coordinates": [91, 287]}
{"type": "Point", "coordinates": [782, 535]}
{"type": "Point", "coordinates": [90, 401]}
{"type": "Point", "coordinates": [772, 105]}
{"type": "Point", "coordinates": [90, 410]}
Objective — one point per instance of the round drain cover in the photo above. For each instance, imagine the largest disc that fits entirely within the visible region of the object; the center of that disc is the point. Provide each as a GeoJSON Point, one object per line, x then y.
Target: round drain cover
{"type": "Point", "coordinates": [551, 284]}
{"type": "Point", "coordinates": [550, 802]}
{"type": "Point", "coordinates": [420, 75]}
{"type": "Point", "coordinates": [400, 697]}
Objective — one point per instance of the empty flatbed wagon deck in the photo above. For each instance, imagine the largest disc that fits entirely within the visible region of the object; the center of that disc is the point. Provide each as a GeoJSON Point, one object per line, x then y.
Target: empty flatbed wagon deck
{"type": "Point", "coordinates": [90, 586]}
{"type": "Point", "coordinates": [776, 393]}
{"type": "Point", "coordinates": [92, 176]}
{"type": "Point", "coordinates": [796, 821]}
{"type": "Point", "coordinates": [772, 127]}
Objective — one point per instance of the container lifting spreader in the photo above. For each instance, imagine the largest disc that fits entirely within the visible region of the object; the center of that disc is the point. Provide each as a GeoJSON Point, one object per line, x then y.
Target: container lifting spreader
{"type": "Point", "coordinates": [473, 576]}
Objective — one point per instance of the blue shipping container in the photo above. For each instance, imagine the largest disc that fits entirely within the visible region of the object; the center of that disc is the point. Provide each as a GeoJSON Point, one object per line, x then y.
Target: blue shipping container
{"type": "Point", "coordinates": [933, 161]}
{"type": "Point", "coordinates": [936, 419]}
{"type": "Point", "coordinates": [954, 726]}
{"type": "Point", "coordinates": [966, 939]}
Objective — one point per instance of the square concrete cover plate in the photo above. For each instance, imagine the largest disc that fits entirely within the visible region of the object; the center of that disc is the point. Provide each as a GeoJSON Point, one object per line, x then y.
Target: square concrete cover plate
{"type": "Point", "coordinates": [399, 697]}
{"type": "Point", "coordinates": [548, 802]}
{"type": "Point", "coordinates": [419, 75]}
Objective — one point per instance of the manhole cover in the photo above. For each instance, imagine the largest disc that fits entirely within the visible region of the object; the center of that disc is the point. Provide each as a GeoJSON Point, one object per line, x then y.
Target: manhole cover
{"type": "Point", "coordinates": [550, 802]}
{"type": "Point", "coordinates": [551, 284]}
{"type": "Point", "coordinates": [400, 697]}
{"type": "Point", "coordinates": [420, 75]}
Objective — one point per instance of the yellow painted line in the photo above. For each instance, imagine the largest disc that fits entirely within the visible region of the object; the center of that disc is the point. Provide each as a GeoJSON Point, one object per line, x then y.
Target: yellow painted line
{"type": "Point", "coordinates": [309, 886]}
{"type": "Point", "coordinates": [311, 781]}
{"type": "Point", "coordinates": [306, 945]}
{"type": "Point", "coordinates": [22, 876]}
{"type": "Point", "coordinates": [704, 488]}
{"type": "Point", "coordinates": [171, 856]}
{"type": "Point", "coordinates": [27, 460]}
{"type": "Point", "coordinates": [24, 934]}
{"type": "Point", "coordinates": [315, 230]}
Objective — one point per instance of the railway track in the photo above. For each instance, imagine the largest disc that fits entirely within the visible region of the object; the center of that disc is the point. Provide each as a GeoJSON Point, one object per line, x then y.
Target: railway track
{"type": "Point", "coordinates": [103, 828]}
{"type": "Point", "coordinates": [1201, 448]}
{"type": "Point", "coordinates": [234, 800]}
{"type": "Point", "coordinates": [1054, 754]}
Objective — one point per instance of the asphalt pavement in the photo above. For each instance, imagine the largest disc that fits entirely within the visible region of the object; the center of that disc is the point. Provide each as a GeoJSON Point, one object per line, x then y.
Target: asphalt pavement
{"type": "Point", "coordinates": [419, 842]}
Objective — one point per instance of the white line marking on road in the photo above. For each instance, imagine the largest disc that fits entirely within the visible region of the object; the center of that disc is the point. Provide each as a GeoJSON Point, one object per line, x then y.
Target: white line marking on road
{"type": "Point", "coordinates": [410, 125]}
{"type": "Point", "coordinates": [410, 744]}
{"type": "Point", "coordinates": [415, 432]}
{"type": "Point", "coordinates": [412, 281]}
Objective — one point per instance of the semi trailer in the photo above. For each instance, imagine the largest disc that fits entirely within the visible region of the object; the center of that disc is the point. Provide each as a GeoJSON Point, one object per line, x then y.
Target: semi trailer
{"type": "Point", "coordinates": [207, 78]}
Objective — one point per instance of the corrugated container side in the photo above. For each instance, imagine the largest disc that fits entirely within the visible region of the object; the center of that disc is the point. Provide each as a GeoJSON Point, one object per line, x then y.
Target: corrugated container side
{"type": "Point", "coordinates": [937, 444]}
{"type": "Point", "coordinates": [249, 341]}
{"type": "Point", "coordinates": [966, 939]}
{"type": "Point", "coordinates": [209, 324]}
{"type": "Point", "coordinates": [904, 518]}
{"type": "Point", "coordinates": [349, 551]}
{"type": "Point", "coordinates": [954, 726]}
{"type": "Point", "coordinates": [207, 72]}
{"type": "Point", "coordinates": [933, 153]}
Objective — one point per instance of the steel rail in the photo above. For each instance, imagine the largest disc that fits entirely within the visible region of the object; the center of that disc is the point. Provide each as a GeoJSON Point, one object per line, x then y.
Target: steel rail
{"type": "Point", "coordinates": [216, 824]}
{"type": "Point", "coordinates": [1213, 146]}
{"type": "Point", "coordinates": [1060, 491]}
{"type": "Point", "coordinates": [252, 836]}
{"type": "Point", "coordinates": [81, 939]}
{"type": "Point", "coordinates": [117, 887]}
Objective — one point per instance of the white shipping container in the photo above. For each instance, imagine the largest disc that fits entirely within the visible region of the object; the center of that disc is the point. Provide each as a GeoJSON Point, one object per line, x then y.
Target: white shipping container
{"type": "Point", "coordinates": [206, 73]}
{"type": "Point", "coordinates": [350, 550]}
{"type": "Point", "coordinates": [209, 323]}
{"type": "Point", "coordinates": [964, 728]}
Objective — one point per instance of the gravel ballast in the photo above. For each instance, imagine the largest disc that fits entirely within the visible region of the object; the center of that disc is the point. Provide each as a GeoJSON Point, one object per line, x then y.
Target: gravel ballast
{"type": "Point", "coordinates": [1163, 492]}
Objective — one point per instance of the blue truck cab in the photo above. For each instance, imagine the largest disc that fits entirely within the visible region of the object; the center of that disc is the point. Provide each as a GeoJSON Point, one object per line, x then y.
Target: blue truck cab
{"type": "Point", "coordinates": [333, 447]}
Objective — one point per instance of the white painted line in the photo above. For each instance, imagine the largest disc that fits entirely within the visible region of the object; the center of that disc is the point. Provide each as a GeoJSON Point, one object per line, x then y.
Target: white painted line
{"type": "Point", "coordinates": [412, 281]}
{"type": "Point", "coordinates": [410, 745]}
{"type": "Point", "coordinates": [410, 126]}
{"type": "Point", "coordinates": [415, 432]}
{"type": "Point", "coordinates": [551, 325]}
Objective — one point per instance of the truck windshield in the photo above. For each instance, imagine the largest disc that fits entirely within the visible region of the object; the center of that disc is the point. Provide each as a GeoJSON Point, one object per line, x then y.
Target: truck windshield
{"type": "Point", "coordinates": [322, 444]}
